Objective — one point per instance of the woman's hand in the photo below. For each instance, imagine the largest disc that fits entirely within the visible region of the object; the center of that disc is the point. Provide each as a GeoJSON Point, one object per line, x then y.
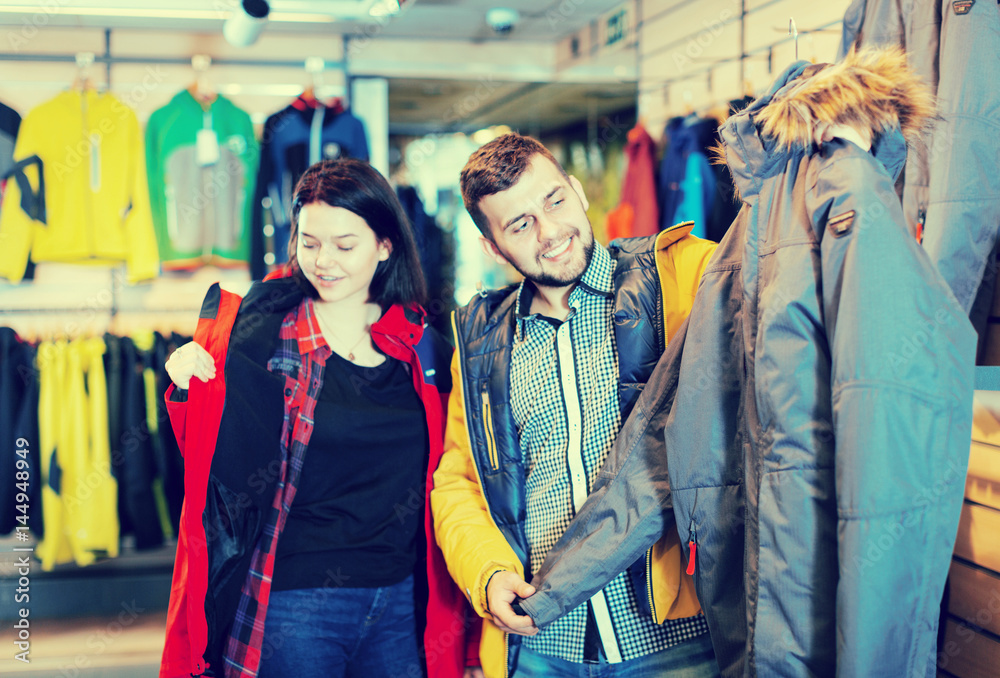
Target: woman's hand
{"type": "Point", "coordinates": [190, 360]}
{"type": "Point", "coordinates": [473, 672]}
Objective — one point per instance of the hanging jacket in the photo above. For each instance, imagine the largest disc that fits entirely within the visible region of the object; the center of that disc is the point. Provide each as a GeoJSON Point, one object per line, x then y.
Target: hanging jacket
{"type": "Point", "coordinates": [10, 122]}
{"type": "Point", "coordinates": [436, 248]}
{"type": "Point", "coordinates": [201, 161]}
{"type": "Point", "coordinates": [638, 190]}
{"type": "Point", "coordinates": [96, 197]}
{"type": "Point", "coordinates": [134, 453]}
{"type": "Point", "coordinates": [479, 488]}
{"type": "Point", "coordinates": [697, 193]}
{"type": "Point", "coordinates": [20, 498]}
{"type": "Point", "coordinates": [951, 194]}
{"type": "Point", "coordinates": [170, 463]}
{"type": "Point", "coordinates": [687, 137]}
{"type": "Point", "coordinates": [113, 381]}
{"type": "Point", "coordinates": [145, 344]}
{"type": "Point", "coordinates": [725, 202]}
{"type": "Point", "coordinates": [230, 477]}
{"type": "Point", "coordinates": [815, 409]}
{"type": "Point", "coordinates": [294, 138]}
{"type": "Point", "coordinates": [80, 496]}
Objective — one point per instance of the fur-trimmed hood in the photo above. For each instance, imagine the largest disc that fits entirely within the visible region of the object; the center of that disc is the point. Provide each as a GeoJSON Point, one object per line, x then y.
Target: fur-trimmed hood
{"type": "Point", "coordinates": [873, 91]}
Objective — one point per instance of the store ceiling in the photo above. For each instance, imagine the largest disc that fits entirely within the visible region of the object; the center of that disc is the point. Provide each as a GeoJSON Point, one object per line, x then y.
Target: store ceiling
{"type": "Point", "coordinates": [416, 105]}
{"type": "Point", "coordinates": [545, 21]}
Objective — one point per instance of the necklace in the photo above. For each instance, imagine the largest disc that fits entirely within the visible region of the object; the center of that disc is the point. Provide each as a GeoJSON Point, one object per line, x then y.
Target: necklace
{"type": "Point", "coordinates": [327, 329]}
{"type": "Point", "coordinates": [350, 351]}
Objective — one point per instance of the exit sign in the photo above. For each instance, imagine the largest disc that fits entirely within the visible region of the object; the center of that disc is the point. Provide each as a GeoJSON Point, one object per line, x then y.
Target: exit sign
{"type": "Point", "coordinates": [616, 26]}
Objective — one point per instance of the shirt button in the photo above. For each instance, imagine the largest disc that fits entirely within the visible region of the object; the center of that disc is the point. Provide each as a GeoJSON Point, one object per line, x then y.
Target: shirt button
{"type": "Point", "coordinates": [288, 393]}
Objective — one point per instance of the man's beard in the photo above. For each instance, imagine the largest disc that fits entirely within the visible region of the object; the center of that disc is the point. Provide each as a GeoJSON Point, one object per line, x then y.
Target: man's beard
{"type": "Point", "coordinates": [549, 280]}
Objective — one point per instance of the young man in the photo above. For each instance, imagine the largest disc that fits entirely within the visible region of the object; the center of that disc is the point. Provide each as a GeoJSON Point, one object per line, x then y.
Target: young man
{"type": "Point", "coordinates": [544, 374]}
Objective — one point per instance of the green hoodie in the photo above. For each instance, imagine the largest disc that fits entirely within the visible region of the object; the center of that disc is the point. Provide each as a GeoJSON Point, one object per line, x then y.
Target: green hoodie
{"type": "Point", "coordinates": [201, 206]}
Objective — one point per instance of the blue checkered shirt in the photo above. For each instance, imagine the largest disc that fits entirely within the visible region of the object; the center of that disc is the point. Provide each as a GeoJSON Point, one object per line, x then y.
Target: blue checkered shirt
{"type": "Point", "coordinates": [564, 398]}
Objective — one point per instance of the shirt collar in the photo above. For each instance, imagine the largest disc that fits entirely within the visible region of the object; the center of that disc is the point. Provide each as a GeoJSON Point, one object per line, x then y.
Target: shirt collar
{"type": "Point", "coordinates": [598, 277]}
{"type": "Point", "coordinates": [307, 329]}
{"type": "Point", "coordinates": [597, 280]}
{"type": "Point", "coordinates": [394, 323]}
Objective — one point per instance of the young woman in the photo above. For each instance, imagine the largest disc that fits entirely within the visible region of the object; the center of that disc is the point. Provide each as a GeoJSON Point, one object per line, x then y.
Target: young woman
{"type": "Point", "coordinates": [309, 413]}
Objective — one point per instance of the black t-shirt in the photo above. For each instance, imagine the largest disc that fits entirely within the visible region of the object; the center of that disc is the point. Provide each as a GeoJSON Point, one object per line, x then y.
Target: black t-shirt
{"type": "Point", "coordinates": [359, 502]}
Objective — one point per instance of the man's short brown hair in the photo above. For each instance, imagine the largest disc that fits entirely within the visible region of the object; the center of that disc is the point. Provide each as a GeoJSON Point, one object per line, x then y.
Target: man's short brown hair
{"type": "Point", "coordinates": [496, 167]}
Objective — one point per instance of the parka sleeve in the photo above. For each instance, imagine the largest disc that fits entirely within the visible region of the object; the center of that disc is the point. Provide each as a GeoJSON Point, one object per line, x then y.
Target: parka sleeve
{"type": "Point", "coordinates": [627, 511]}
{"type": "Point", "coordinates": [902, 354]}
{"type": "Point", "coordinates": [630, 507]}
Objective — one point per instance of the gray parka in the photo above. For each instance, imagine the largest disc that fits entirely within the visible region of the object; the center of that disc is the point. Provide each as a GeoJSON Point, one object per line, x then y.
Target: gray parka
{"type": "Point", "coordinates": [952, 181]}
{"type": "Point", "coordinates": [814, 414]}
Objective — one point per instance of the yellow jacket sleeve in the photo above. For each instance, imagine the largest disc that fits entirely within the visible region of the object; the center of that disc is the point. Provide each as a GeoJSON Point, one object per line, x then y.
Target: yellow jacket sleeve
{"type": "Point", "coordinates": [472, 544]}
{"type": "Point", "coordinates": [143, 260]}
{"type": "Point", "coordinates": [17, 228]}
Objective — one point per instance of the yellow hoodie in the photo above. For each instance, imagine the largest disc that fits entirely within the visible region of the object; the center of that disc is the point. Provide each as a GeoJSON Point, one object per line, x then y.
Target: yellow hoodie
{"type": "Point", "coordinates": [96, 197]}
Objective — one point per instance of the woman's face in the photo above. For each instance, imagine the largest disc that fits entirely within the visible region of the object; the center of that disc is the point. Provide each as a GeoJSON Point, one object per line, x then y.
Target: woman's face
{"type": "Point", "coordinates": [338, 252]}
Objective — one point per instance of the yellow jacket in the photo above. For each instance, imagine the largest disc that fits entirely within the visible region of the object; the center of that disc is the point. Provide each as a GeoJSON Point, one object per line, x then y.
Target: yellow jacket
{"type": "Point", "coordinates": [96, 197]}
{"type": "Point", "coordinates": [79, 494]}
{"type": "Point", "coordinates": [474, 546]}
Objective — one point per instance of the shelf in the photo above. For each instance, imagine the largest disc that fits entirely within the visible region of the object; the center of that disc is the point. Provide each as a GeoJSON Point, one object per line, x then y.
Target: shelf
{"type": "Point", "coordinates": [988, 378]}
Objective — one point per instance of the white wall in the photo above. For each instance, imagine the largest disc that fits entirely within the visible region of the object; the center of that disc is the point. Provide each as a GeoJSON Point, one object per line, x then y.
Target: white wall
{"type": "Point", "coordinates": [681, 44]}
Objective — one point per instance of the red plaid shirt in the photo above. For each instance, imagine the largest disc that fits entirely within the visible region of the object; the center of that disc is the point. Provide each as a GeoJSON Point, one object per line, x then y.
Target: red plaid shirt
{"type": "Point", "coordinates": [301, 357]}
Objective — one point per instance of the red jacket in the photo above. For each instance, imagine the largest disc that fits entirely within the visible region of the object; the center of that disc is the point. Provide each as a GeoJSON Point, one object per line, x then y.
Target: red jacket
{"type": "Point", "coordinates": [638, 190]}
{"type": "Point", "coordinates": [226, 418]}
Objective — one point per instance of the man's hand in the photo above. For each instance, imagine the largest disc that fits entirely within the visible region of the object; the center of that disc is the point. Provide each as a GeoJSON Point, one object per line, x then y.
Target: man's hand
{"type": "Point", "coordinates": [501, 591]}
{"type": "Point", "coordinates": [473, 672]}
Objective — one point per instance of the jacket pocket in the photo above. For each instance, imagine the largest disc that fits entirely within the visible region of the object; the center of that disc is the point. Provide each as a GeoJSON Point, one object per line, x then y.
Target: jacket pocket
{"type": "Point", "coordinates": [488, 432]}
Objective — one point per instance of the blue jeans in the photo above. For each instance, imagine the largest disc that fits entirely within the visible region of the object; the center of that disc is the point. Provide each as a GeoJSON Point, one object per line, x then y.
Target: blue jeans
{"type": "Point", "coordinates": [342, 632]}
{"type": "Point", "coordinates": [693, 658]}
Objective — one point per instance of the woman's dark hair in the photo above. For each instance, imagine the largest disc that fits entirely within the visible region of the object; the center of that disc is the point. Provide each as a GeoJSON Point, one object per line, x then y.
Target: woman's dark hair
{"type": "Point", "coordinates": [357, 187]}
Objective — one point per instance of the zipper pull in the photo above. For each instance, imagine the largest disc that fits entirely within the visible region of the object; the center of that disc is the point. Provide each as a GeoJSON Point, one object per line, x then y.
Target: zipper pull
{"type": "Point", "coordinates": [693, 550]}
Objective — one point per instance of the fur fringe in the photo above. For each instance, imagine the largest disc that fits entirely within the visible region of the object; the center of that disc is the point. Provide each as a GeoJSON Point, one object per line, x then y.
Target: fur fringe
{"type": "Point", "coordinates": [873, 89]}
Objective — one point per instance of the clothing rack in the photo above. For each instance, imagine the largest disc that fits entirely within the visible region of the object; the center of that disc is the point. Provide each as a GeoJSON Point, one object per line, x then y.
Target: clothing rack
{"type": "Point", "coordinates": [40, 310]}
{"type": "Point", "coordinates": [112, 301]}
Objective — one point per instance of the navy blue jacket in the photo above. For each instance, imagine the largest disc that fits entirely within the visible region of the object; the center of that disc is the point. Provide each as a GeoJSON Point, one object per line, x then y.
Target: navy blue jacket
{"type": "Point", "coordinates": [285, 154]}
{"type": "Point", "coordinates": [484, 338]}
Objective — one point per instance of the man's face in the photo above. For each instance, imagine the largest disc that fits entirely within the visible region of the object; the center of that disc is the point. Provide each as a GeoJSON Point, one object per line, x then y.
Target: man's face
{"type": "Point", "coordinates": [540, 226]}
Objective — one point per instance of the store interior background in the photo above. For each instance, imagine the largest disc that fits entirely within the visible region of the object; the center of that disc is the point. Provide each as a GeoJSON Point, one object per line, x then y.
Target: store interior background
{"type": "Point", "coordinates": [432, 80]}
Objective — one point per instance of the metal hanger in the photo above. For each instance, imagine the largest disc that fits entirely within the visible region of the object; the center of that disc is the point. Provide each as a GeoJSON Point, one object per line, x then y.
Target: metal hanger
{"type": "Point", "coordinates": [794, 32]}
